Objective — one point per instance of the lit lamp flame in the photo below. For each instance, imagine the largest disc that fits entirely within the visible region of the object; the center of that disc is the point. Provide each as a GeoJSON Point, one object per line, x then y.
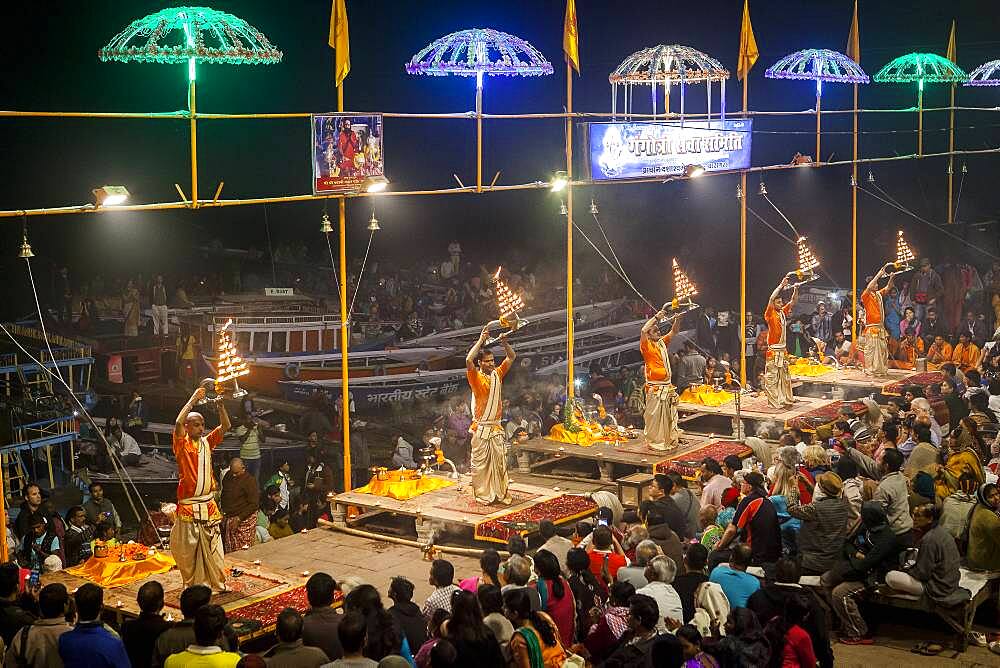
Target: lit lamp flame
{"type": "Point", "coordinates": [904, 256]}
{"type": "Point", "coordinates": [807, 263]}
{"type": "Point", "coordinates": [684, 290]}
{"type": "Point", "coordinates": [508, 306]}
{"type": "Point", "coordinates": [230, 365]}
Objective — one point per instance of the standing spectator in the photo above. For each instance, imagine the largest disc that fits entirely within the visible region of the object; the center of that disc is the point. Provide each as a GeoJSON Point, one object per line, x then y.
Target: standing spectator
{"type": "Point", "coordinates": [660, 574]}
{"type": "Point", "coordinates": [290, 652]}
{"type": "Point", "coordinates": [38, 644]}
{"type": "Point", "coordinates": [975, 328]}
{"type": "Point", "coordinates": [406, 613]}
{"type": "Point", "coordinates": [442, 578]}
{"type": "Point", "coordinates": [130, 309]}
{"type": "Point", "coordinates": [135, 417]}
{"type": "Point", "coordinates": [892, 491]}
{"type": "Point", "coordinates": [140, 635]}
{"type": "Point", "coordinates": [91, 644]}
{"type": "Point", "coordinates": [822, 323]}
{"type": "Point", "coordinates": [161, 314]}
{"type": "Point", "coordinates": [240, 501]}
{"type": "Point", "coordinates": [32, 504]}
{"type": "Point", "coordinates": [320, 623]}
{"type": "Point", "coordinates": [926, 287]}
{"type": "Point", "coordinates": [207, 650]}
{"type": "Point", "coordinates": [824, 525]}
{"type": "Point", "coordinates": [251, 436]}
{"type": "Point", "coordinates": [100, 509]}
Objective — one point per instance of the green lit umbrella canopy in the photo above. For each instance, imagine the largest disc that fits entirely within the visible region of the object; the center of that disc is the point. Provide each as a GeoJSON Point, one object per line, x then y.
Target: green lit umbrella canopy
{"type": "Point", "coordinates": [191, 35]}
{"type": "Point", "coordinates": [920, 68]}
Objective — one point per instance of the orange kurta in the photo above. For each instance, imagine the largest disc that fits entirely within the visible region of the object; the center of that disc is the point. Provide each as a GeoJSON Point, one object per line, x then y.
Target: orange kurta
{"type": "Point", "coordinates": [195, 473]}
{"type": "Point", "coordinates": [965, 356]}
{"type": "Point", "coordinates": [480, 384]}
{"type": "Point", "coordinates": [938, 355]}
{"type": "Point", "coordinates": [872, 301]}
{"type": "Point", "coordinates": [776, 324]}
{"type": "Point", "coordinates": [656, 368]}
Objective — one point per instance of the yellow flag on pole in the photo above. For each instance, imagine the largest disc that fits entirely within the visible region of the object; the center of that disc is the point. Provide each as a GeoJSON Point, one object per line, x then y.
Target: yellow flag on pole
{"type": "Point", "coordinates": [854, 38]}
{"type": "Point", "coordinates": [748, 45]}
{"type": "Point", "coordinates": [340, 41]}
{"type": "Point", "coordinates": [571, 38]}
{"type": "Point", "coordinates": [952, 48]}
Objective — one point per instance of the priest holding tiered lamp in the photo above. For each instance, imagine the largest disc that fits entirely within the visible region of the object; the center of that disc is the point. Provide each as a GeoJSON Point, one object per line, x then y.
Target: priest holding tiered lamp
{"type": "Point", "coordinates": [196, 538]}
{"type": "Point", "coordinates": [489, 445]}
{"type": "Point", "coordinates": [876, 341]}
{"type": "Point", "coordinates": [777, 380]}
{"type": "Point", "coordinates": [660, 415]}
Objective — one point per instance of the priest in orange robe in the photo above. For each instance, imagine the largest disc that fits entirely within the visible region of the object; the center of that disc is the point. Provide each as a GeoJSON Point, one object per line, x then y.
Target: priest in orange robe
{"type": "Point", "coordinates": [876, 351]}
{"type": "Point", "coordinates": [660, 415]}
{"type": "Point", "coordinates": [196, 537]}
{"type": "Point", "coordinates": [938, 354]}
{"type": "Point", "coordinates": [777, 380]}
{"type": "Point", "coordinates": [907, 351]}
{"type": "Point", "coordinates": [489, 445]}
{"type": "Point", "coordinates": [966, 353]}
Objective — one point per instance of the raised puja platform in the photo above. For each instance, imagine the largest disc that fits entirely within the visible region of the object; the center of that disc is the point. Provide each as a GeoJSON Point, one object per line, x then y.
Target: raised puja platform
{"type": "Point", "coordinates": [806, 414]}
{"type": "Point", "coordinates": [612, 460]}
{"type": "Point", "coordinates": [846, 383]}
{"type": "Point", "coordinates": [450, 513]}
{"type": "Point", "coordinates": [688, 462]}
{"type": "Point", "coordinates": [257, 595]}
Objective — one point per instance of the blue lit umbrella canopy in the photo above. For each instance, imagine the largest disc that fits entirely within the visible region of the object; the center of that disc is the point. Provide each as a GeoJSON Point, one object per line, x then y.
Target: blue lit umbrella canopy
{"type": "Point", "coordinates": [818, 65]}
{"type": "Point", "coordinates": [987, 74]}
{"type": "Point", "coordinates": [479, 51]}
{"type": "Point", "coordinates": [191, 34]}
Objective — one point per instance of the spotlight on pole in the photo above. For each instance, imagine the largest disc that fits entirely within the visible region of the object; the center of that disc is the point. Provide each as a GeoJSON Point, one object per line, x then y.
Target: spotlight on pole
{"type": "Point", "coordinates": [593, 207]}
{"type": "Point", "coordinates": [871, 178]}
{"type": "Point", "coordinates": [563, 211]}
{"type": "Point", "coordinates": [110, 196]}
{"type": "Point", "coordinates": [739, 192]}
{"type": "Point", "coordinates": [854, 181]}
{"type": "Point", "coordinates": [965, 168]}
{"type": "Point", "coordinates": [559, 182]}
{"type": "Point", "coordinates": [325, 227]}
{"type": "Point", "coordinates": [693, 171]}
{"type": "Point", "coordinates": [373, 225]}
{"type": "Point", "coordinates": [375, 184]}
{"type": "Point", "coordinates": [762, 190]}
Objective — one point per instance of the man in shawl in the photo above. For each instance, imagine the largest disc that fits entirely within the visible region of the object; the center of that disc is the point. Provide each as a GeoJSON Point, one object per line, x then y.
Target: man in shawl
{"type": "Point", "coordinates": [489, 445]}
{"type": "Point", "coordinates": [196, 538]}
{"type": "Point", "coordinates": [660, 414]}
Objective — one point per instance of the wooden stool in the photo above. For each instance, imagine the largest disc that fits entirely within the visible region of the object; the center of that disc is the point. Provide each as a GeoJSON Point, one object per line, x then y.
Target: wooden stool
{"type": "Point", "coordinates": [636, 484]}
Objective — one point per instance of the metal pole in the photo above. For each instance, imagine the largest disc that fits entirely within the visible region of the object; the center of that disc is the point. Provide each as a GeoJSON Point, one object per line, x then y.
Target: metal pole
{"type": "Point", "coordinates": [951, 157]}
{"type": "Point", "coordinates": [743, 258]}
{"type": "Point", "coordinates": [920, 119]}
{"type": "Point", "coordinates": [569, 232]}
{"type": "Point", "coordinates": [819, 117]}
{"type": "Point", "coordinates": [479, 132]}
{"type": "Point", "coordinates": [194, 143]}
{"type": "Point", "coordinates": [345, 407]}
{"type": "Point", "coordinates": [854, 226]}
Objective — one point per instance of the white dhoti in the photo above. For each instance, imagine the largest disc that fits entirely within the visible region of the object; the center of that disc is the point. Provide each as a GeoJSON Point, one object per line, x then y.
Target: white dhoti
{"type": "Point", "coordinates": [777, 380]}
{"type": "Point", "coordinates": [196, 545]}
{"type": "Point", "coordinates": [660, 416]}
{"type": "Point", "coordinates": [876, 350]}
{"type": "Point", "coordinates": [489, 463]}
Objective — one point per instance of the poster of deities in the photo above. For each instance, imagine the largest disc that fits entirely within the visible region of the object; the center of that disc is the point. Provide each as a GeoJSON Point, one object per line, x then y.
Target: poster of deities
{"type": "Point", "coordinates": [346, 150]}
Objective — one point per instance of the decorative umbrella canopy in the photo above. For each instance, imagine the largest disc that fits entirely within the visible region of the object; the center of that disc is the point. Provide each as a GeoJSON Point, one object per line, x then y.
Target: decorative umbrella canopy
{"type": "Point", "coordinates": [478, 51]}
{"type": "Point", "coordinates": [987, 74]}
{"type": "Point", "coordinates": [921, 67]}
{"type": "Point", "coordinates": [666, 63]}
{"type": "Point", "coordinates": [191, 34]}
{"type": "Point", "coordinates": [818, 65]}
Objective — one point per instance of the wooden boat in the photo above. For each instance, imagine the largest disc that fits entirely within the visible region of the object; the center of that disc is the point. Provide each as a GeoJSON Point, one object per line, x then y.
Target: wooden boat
{"type": "Point", "coordinates": [379, 392]}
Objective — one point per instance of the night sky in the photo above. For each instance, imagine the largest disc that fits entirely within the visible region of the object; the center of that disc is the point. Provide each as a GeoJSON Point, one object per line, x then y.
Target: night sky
{"type": "Point", "coordinates": [50, 49]}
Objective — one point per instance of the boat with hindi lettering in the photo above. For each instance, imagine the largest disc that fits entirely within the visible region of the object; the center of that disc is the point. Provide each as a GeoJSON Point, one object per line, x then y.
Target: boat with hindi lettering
{"type": "Point", "coordinates": [373, 393]}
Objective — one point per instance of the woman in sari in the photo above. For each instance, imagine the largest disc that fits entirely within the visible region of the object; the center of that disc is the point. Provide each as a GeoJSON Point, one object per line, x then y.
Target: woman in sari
{"type": "Point", "coordinates": [535, 643]}
{"type": "Point", "coordinates": [960, 459]}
